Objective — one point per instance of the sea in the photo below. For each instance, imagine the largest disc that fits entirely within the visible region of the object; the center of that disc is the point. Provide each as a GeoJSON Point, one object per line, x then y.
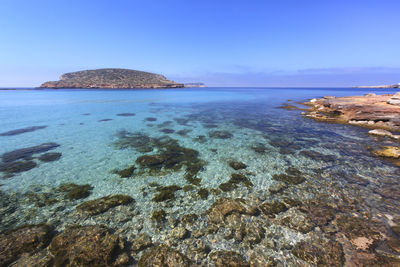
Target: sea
{"type": "Point", "coordinates": [175, 151]}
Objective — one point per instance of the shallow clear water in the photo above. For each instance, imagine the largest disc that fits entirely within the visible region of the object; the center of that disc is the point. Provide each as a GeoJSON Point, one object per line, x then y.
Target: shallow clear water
{"type": "Point", "coordinates": [90, 156]}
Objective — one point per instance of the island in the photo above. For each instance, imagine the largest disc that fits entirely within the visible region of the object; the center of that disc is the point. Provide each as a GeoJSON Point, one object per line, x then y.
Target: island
{"type": "Point", "coordinates": [112, 78]}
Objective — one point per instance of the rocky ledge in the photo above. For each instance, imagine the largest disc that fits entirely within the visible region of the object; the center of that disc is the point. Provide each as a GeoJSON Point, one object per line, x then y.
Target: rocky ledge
{"type": "Point", "coordinates": [371, 110]}
{"type": "Point", "coordinates": [112, 78]}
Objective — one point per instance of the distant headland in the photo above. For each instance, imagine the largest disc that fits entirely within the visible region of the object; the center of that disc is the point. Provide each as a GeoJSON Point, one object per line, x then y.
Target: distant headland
{"type": "Point", "coordinates": [195, 85]}
{"type": "Point", "coordinates": [112, 78]}
{"type": "Point", "coordinates": [379, 86]}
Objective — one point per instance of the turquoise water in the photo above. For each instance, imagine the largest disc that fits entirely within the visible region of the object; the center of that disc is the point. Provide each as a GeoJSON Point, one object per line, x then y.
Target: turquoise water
{"type": "Point", "coordinates": [85, 125]}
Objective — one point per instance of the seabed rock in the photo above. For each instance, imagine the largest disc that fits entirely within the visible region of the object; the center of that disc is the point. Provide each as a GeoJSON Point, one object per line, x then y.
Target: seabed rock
{"type": "Point", "coordinates": [158, 216]}
{"type": "Point", "coordinates": [163, 256]}
{"type": "Point", "coordinates": [51, 156]}
{"type": "Point", "coordinates": [225, 258]}
{"type": "Point", "coordinates": [273, 208]}
{"type": "Point", "coordinates": [320, 252]}
{"type": "Point", "coordinates": [220, 134]}
{"type": "Point", "coordinates": [17, 166]}
{"type": "Point", "coordinates": [128, 172]}
{"type": "Point", "coordinates": [150, 119]}
{"type": "Point", "coordinates": [236, 165]}
{"type": "Point", "coordinates": [74, 191]}
{"type": "Point", "coordinates": [203, 193]}
{"type": "Point", "coordinates": [224, 207]}
{"type": "Point", "coordinates": [24, 239]}
{"type": "Point", "coordinates": [126, 114]}
{"type": "Point", "coordinates": [27, 153]}
{"type": "Point", "coordinates": [141, 242]}
{"type": "Point", "coordinates": [100, 205]}
{"type": "Point", "coordinates": [292, 176]}
{"type": "Point", "coordinates": [22, 130]}
{"type": "Point", "coordinates": [166, 193]}
{"type": "Point", "coordinates": [88, 246]}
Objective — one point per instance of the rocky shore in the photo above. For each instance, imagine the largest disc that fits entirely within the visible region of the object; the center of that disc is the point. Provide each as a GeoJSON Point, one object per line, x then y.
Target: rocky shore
{"type": "Point", "coordinates": [112, 78]}
{"type": "Point", "coordinates": [380, 113]}
{"type": "Point", "coordinates": [371, 110]}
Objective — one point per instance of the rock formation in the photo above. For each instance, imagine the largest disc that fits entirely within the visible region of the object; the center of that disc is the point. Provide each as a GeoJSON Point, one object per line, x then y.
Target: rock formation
{"type": "Point", "coordinates": [371, 110]}
{"type": "Point", "coordinates": [111, 78]}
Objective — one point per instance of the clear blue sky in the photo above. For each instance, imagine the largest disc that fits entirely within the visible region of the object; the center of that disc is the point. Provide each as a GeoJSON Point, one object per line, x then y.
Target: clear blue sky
{"type": "Point", "coordinates": [219, 42]}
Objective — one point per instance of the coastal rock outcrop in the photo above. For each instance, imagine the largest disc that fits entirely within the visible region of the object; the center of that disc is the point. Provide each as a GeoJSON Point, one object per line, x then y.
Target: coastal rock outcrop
{"type": "Point", "coordinates": [111, 78]}
{"type": "Point", "coordinates": [373, 111]}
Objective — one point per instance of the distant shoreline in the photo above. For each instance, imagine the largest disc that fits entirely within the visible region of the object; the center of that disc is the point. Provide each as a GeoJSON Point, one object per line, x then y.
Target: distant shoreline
{"type": "Point", "coordinates": [378, 86]}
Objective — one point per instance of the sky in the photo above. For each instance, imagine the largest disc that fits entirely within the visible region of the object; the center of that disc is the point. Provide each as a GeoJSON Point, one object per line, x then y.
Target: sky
{"type": "Point", "coordinates": [272, 43]}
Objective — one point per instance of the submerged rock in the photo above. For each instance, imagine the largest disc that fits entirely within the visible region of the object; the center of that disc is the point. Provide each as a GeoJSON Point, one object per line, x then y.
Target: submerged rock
{"type": "Point", "coordinates": [277, 188]}
{"type": "Point", "coordinates": [141, 242]}
{"type": "Point", "coordinates": [126, 114]}
{"type": "Point", "coordinates": [259, 148]}
{"type": "Point", "coordinates": [273, 208]}
{"type": "Point", "coordinates": [299, 222]}
{"type": "Point", "coordinates": [151, 161]}
{"type": "Point", "coordinates": [203, 193]}
{"type": "Point", "coordinates": [51, 156]}
{"type": "Point", "coordinates": [292, 176]}
{"type": "Point", "coordinates": [227, 187]}
{"type": "Point", "coordinates": [166, 193]}
{"type": "Point", "coordinates": [17, 166]}
{"type": "Point", "coordinates": [163, 256]}
{"type": "Point", "coordinates": [320, 252]}
{"type": "Point", "coordinates": [183, 132]}
{"type": "Point", "coordinates": [220, 134]}
{"type": "Point", "coordinates": [128, 172]}
{"type": "Point", "coordinates": [224, 258]}
{"type": "Point", "coordinates": [150, 119]}
{"type": "Point", "coordinates": [224, 207]}
{"type": "Point", "coordinates": [28, 152]}
{"type": "Point", "coordinates": [361, 233]}
{"type": "Point", "coordinates": [314, 155]}
{"type": "Point", "coordinates": [25, 239]}
{"type": "Point", "coordinates": [75, 191]}
{"type": "Point", "coordinates": [87, 246]}
{"type": "Point", "coordinates": [167, 131]}
{"type": "Point", "coordinates": [237, 178]}
{"type": "Point", "coordinates": [22, 130]}
{"type": "Point", "coordinates": [158, 216]}
{"type": "Point", "coordinates": [100, 205]}
{"type": "Point", "coordinates": [42, 258]}
{"type": "Point", "coordinates": [257, 259]}
{"type": "Point", "coordinates": [171, 156]}
{"type": "Point", "coordinates": [234, 181]}
{"type": "Point", "coordinates": [237, 165]}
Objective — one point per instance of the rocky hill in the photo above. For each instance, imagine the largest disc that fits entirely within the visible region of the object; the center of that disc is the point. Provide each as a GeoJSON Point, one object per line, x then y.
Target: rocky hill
{"type": "Point", "coordinates": [112, 78]}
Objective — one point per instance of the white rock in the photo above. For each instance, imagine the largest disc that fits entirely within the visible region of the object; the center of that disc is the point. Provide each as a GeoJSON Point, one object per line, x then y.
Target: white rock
{"type": "Point", "coordinates": [394, 101]}
{"type": "Point", "coordinates": [380, 132]}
